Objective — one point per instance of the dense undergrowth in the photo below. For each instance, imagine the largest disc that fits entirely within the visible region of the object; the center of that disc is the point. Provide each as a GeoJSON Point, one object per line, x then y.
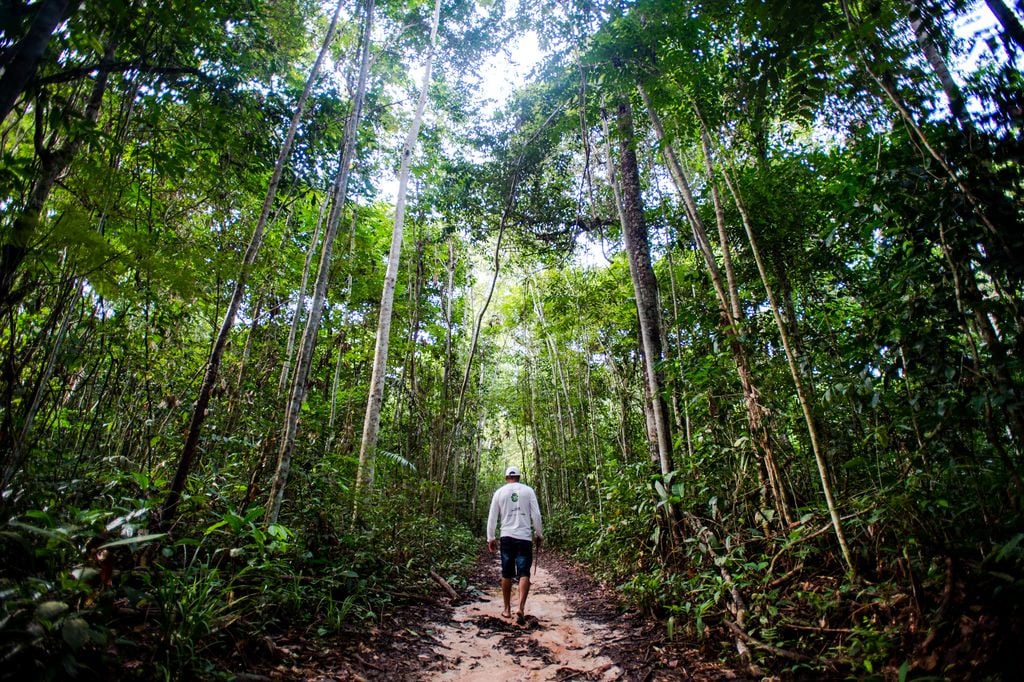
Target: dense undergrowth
{"type": "Point", "coordinates": [931, 599]}
{"type": "Point", "coordinates": [87, 592]}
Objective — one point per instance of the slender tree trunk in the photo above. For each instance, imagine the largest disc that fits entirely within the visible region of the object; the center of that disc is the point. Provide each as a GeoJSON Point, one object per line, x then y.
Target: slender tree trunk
{"type": "Point", "coordinates": [15, 247]}
{"type": "Point", "coordinates": [300, 376]}
{"type": "Point", "coordinates": [645, 284]}
{"type": "Point", "coordinates": [243, 366]}
{"type": "Point", "coordinates": [954, 97]}
{"type": "Point", "coordinates": [300, 302]}
{"type": "Point", "coordinates": [19, 448]}
{"type": "Point", "coordinates": [1012, 27]}
{"type": "Point", "coordinates": [535, 435]}
{"type": "Point", "coordinates": [595, 443]}
{"type": "Point", "coordinates": [438, 446]}
{"type": "Point", "coordinates": [680, 407]}
{"type": "Point", "coordinates": [371, 425]}
{"type": "Point", "coordinates": [803, 395]}
{"type": "Point", "coordinates": [757, 416]}
{"type": "Point", "coordinates": [409, 378]}
{"type": "Point", "coordinates": [341, 344]}
{"type": "Point", "coordinates": [188, 452]}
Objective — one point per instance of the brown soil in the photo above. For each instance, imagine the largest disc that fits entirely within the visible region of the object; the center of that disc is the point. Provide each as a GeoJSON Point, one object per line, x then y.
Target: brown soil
{"type": "Point", "coordinates": [575, 629]}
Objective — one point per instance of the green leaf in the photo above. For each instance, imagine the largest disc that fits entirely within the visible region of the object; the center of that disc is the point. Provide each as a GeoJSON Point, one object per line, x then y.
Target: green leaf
{"type": "Point", "coordinates": [76, 632]}
{"type": "Point", "coordinates": [84, 573]}
{"type": "Point", "coordinates": [1007, 550]}
{"type": "Point", "coordinates": [49, 610]}
{"type": "Point", "coordinates": [134, 540]}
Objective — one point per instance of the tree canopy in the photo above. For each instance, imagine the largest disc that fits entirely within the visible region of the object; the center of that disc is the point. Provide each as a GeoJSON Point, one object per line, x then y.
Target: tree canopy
{"type": "Point", "coordinates": [739, 286]}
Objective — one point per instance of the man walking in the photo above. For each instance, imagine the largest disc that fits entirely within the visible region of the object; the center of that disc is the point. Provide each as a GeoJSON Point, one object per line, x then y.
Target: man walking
{"type": "Point", "coordinates": [515, 504]}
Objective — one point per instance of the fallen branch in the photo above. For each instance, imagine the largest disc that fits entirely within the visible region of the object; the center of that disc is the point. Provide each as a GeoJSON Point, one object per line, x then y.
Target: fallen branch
{"type": "Point", "coordinates": [444, 583]}
{"type": "Point", "coordinates": [758, 644]}
{"type": "Point", "coordinates": [815, 628]}
{"type": "Point", "coordinates": [783, 578]}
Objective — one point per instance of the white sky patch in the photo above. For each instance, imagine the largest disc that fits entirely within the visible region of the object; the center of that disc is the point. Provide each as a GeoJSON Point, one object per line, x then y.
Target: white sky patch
{"type": "Point", "coordinates": [594, 252]}
{"type": "Point", "coordinates": [507, 70]}
{"type": "Point", "coordinates": [498, 78]}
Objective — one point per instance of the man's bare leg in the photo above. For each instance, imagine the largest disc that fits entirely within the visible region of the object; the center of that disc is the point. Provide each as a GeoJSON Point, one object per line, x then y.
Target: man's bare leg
{"type": "Point", "coordinates": [506, 594]}
{"type": "Point", "coordinates": [524, 590]}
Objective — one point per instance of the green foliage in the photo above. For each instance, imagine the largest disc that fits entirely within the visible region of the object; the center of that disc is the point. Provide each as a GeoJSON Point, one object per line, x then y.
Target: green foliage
{"type": "Point", "coordinates": [888, 230]}
{"type": "Point", "coordinates": [73, 594]}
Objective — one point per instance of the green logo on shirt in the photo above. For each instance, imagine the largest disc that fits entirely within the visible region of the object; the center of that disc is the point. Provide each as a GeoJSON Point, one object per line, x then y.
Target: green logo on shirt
{"type": "Point", "coordinates": [515, 497]}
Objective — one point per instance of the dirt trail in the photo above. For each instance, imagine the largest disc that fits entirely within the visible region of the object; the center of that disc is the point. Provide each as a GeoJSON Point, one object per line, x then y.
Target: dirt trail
{"type": "Point", "coordinates": [479, 645]}
{"type": "Point", "coordinates": [576, 629]}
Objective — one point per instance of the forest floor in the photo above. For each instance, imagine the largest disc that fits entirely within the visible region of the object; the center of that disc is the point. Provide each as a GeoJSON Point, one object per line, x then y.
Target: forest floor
{"type": "Point", "coordinates": [576, 629]}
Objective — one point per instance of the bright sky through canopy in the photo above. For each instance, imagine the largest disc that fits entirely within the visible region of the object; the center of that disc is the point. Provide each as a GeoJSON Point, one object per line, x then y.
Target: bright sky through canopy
{"type": "Point", "coordinates": [508, 69]}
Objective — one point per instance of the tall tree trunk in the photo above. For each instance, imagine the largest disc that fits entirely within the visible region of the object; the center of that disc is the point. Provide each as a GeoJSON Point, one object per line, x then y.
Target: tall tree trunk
{"type": "Point", "coordinates": [645, 284]}
{"type": "Point", "coordinates": [757, 416]}
{"type": "Point", "coordinates": [1012, 27]}
{"type": "Point", "coordinates": [538, 462]}
{"type": "Point", "coordinates": [341, 343]}
{"type": "Point", "coordinates": [371, 425]}
{"type": "Point", "coordinates": [300, 376]}
{"type": "Point", "coordinates": [803, 394]}
{"type": "Point", "coordinates": [300, 302]}
{"type": "Point", "coordinates": [595, 444]}
{"type": "Point", "coordinates": [680, 407]}
{"type": "Point", "coordinates": [438, 444]}
{"type": "Point", "coordinates": [235, 401]}
{"type": "Point", "coordinates": [188, 451]}
{"type": "Point", "coordinates": [21, 60]}
{"type": "Point", "coordinates": [954, 97]}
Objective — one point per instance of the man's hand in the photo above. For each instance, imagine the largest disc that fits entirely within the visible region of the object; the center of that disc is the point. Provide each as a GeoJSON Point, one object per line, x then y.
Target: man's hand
{"type": "Point", "coordinates": [492, 545]}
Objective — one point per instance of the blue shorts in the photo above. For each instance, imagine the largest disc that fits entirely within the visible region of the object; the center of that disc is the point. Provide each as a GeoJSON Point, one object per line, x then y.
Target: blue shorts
{"type": "Point", "coordinates": [516, 558]}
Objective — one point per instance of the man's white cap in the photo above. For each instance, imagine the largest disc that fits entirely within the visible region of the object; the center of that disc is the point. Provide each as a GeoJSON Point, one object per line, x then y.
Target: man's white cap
{"type": "Point", "coordinates": [512, 471]}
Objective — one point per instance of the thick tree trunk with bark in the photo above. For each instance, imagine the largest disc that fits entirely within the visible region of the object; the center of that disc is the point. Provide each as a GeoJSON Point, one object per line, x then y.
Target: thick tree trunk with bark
{"type": "Point", "coordinates": [21, 60]}
{"type": "Point", "coordinates": [645, 284]}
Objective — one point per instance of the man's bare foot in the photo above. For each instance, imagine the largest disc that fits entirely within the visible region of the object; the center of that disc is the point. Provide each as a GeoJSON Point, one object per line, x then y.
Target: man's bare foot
{"type": "Point", "coordinates": [506, 614]}
{"type": "Point", "coordinates": [521, 618]}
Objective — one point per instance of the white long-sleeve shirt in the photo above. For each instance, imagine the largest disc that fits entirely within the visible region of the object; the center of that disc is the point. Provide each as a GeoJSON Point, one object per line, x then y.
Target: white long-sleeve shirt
{"type": "Point", "coordinates": [515, 504]}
